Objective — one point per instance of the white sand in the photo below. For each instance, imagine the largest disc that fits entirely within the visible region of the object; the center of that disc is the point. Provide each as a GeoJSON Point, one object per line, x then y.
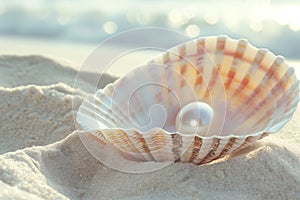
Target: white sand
{"type": "Point", "coordinates": [39, 117]}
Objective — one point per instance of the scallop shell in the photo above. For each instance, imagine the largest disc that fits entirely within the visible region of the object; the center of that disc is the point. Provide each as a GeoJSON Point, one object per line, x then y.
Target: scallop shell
{"type": "Point", "coordinates": [250, 91]}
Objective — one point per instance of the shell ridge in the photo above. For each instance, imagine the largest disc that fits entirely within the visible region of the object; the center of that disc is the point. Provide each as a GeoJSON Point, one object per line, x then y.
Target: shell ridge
{"type": "Point", "coordinates": [196, 148]}
{"type": "Point", "coordinates": [211, 153]}
{"type": "Point", "coordinates": [246, 81]}
{"type": "Point", "coordinates": [105, 102]}
{"type": "Point", "coordinates": [263, 102]}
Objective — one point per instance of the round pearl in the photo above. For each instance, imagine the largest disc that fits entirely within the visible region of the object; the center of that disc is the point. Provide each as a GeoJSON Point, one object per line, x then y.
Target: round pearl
{"type": "Point", "coordinates": [193, 117]}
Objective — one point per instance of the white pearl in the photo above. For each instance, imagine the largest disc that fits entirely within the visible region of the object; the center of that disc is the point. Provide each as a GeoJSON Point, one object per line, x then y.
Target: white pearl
{"type": "Point", "coordinates": [193, 117]}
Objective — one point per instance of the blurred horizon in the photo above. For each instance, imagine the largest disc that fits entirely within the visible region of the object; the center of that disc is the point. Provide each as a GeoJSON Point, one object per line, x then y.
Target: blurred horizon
{"type": "Point", "coordinates": [266, 24]}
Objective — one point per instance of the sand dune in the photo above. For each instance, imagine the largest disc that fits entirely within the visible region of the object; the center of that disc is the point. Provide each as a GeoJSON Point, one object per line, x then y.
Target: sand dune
{"type": "Point", "coordinates": [40, 70]}
{"type": "Point", "coordinates": [42, 156]}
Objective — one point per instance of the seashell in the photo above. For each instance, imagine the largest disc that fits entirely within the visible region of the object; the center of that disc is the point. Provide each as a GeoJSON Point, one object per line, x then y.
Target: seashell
{"type": "Point", "coordinates": [196, 103]}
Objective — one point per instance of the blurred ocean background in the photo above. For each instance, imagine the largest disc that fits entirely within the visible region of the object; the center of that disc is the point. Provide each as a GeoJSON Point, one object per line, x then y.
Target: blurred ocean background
{"type": "Point", "coordinates": [72, 28]}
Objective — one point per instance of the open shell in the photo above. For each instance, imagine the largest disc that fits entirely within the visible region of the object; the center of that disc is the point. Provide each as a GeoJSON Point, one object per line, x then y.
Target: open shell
{"type": "Point", "coordinates": [251, 91]}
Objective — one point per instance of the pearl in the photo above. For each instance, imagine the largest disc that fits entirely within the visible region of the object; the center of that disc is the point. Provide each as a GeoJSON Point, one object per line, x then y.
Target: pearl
{"type": "Point", "coordinates": [194, 117]}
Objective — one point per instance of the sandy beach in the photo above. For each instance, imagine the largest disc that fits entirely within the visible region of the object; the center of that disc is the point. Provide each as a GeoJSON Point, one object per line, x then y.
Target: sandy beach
{"type": "Point", "coordinates": [42, 156]}
{"type": "Point", "coordinates": [55, 54]}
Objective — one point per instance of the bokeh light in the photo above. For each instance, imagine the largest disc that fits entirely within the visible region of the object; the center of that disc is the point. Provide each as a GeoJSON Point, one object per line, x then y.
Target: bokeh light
{"type": "Point", "coordinates": [256, 26]}
{"type": "Point", "coordinates": [176, 18]}
{"type": "Point", "coordinates": [110, 27]}
{"type": "Point", "coordinates": [261, 22]}
{"type": "Point", "coordinates": [192, 30]}
{"type": "Point", "coordinates": [211, 18]}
